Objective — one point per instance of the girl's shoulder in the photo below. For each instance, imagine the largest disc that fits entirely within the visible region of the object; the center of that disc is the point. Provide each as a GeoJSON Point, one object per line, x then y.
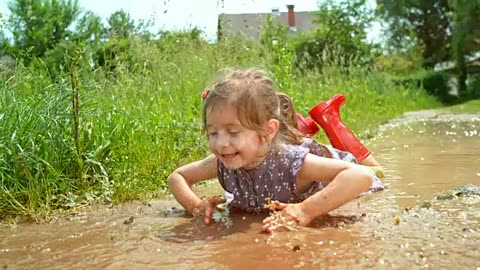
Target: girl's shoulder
{"type": "Point", "coordinates": [314, 147]}
{"type": "Point", "coordinates": [292, 155]}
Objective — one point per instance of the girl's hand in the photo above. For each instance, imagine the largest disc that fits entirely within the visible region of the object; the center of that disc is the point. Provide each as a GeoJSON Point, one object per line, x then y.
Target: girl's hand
{"type": "Point", "coordinates": [288, 216]}
{"type": "Point", "coordinates": [207, 207]}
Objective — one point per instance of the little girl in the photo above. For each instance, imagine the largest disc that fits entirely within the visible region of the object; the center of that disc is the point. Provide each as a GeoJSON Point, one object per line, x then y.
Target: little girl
{"type": "Point", "coordinates": [258, 155]}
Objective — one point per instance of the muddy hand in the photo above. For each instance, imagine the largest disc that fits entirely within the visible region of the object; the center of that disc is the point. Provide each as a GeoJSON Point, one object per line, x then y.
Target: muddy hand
{"type": "Point", "coordinates": [282, 217]}
{"type": "Point", "coordinates": [209, 205]}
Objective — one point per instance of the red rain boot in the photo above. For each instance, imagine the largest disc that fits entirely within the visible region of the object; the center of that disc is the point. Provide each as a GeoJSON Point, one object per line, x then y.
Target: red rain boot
{"type": "Point", "coordinates": [306, 125]}
{"type": "Point", "coordinates": [327, 115]}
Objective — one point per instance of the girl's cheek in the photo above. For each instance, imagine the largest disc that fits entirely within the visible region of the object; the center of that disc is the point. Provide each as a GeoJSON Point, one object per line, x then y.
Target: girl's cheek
{"type": "Point", "coordinates": [211, 143]}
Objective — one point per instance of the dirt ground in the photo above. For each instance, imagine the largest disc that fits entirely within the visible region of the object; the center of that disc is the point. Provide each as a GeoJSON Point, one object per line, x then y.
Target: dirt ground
{"type": "Point", "coordinates": [431, 115]}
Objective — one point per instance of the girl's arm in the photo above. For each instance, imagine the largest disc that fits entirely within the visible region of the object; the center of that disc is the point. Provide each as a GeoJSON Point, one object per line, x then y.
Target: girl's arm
{"type": "Point", "coordinates": [181, 180]}
{"type": "Point", "coordinates": [347, 181]}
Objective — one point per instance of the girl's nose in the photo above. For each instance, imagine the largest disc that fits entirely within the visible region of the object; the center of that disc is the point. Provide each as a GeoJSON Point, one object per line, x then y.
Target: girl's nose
{"type": "Point", "coordinates": [223, 140]}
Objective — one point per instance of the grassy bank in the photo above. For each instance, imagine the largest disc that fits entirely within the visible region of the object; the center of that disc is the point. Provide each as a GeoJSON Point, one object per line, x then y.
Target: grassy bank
{"type": "Point", "coordinates": [472, 106]}
{"type": "Point", "coordinates": [137, 123]}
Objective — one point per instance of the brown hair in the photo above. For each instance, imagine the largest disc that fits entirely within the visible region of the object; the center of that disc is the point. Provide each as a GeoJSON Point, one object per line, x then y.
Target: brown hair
{"type": "Point", "coordinates": [255, 97]}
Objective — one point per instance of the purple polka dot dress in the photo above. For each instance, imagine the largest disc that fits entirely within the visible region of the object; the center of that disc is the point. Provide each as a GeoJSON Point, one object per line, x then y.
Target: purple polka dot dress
{"type": "Point", "coordinates": [274, 178]}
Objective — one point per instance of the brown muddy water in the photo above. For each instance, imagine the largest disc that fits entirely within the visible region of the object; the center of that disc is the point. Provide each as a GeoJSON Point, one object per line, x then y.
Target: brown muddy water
{"type": "Point", "coordinates": [403, 227]}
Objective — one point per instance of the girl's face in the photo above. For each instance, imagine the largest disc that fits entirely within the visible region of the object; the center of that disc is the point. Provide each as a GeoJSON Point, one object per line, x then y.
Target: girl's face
{"type": "Point", "coordinates": [233, 144]}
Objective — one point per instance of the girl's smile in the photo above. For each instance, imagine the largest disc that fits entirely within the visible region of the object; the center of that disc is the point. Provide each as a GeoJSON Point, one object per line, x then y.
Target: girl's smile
{"type": "Point", "coordinates": [229, 156]}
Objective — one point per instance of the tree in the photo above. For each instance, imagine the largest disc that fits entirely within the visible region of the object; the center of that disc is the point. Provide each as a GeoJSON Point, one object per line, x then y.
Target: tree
{"type": "Point", "coordinates": [418, 22]}
{"type": "Point", "coordinates": [273, 34]}
{"type": "Point", "coordinates": [88, 36]}
{"type": "Point", "coordinates": [340, 36]}
{"type": "Point", "coordinates": [465, 38]}
{"type": "Point", "coordinates": [90, 29]}
{"type": "Point", "coordinates": [120, 24]}
{"type": "Point", "coordinates": [4, 44]}
{"type": "Point", "coordinates": [120, 28]}
{"type": "Point", "coordinates": [39, 25]}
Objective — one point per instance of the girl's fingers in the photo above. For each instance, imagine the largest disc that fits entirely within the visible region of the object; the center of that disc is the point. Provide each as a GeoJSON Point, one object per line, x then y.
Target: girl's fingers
{"type": "Point", "coordinates": [208, 214]}
{"type": "Point", "coordinates": [270, 224]}
{"type": "Point", "coordinates": [216, 200]}
{"type": "Point", "coordinates": [269, 228]}
{"type": "Point", "coordinates": [266, 229]}
{"type": "Point", "coordinates": [279, 219]}
{"type": "Point", "coordinates": [268, 219]}
{"type": "Point", "coordinates": [278, 207]}
{"type": "Point", "coordinates": [209, 206]}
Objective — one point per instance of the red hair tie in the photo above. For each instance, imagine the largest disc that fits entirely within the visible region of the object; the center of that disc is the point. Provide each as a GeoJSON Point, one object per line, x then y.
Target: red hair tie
{"type": "Point", "coordinates": [205, 94]}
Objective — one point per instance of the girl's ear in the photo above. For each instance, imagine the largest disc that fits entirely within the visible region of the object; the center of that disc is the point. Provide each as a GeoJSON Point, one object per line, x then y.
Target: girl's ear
{"type": "Point", "coordinates": [272, 128]}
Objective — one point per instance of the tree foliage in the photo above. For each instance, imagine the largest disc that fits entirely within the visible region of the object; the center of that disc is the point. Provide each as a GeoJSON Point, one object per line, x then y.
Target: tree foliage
{"type": "Point", "coordinates": [89, 29]}
{"type": "Point", "coordinates": [466, 38]}
{"type": "Point", "coordinates": [444, 30]}
{"type": "Point", "coordinates": [39, 25]}
{"type": "Point", "coordinates": [273, 34]}
{"type": "Point", "coordinates": [340, 36]}
{"type": "Point", "coordinates": [426, 23]}
{"type": "Point", "coordinates": [120, 24]}
{"type": "Point", "coordinates": [51, 30]}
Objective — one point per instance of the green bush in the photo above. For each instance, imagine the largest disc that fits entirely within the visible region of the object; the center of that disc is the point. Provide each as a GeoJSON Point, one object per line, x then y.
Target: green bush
{"type": "Point", "coordinates": [396, 64]}
{"type": "Point", "coordinates": [473, 86]}
{"type": "Point", "coordinates": [435, 84]}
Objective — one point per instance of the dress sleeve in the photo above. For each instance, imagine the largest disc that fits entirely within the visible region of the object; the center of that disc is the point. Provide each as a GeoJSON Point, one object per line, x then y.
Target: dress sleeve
{"type": "Point", "coordinates": [293, 159]}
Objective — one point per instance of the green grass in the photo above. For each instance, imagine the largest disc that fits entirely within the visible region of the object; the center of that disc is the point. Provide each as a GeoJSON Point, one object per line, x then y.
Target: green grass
{"type": "Point", "coordinates": [472, 106]}
{"type": "Point", "coordinates": [140, 122]}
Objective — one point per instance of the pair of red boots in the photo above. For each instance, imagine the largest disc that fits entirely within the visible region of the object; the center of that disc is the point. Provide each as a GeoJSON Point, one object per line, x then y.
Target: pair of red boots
{"type": "Point", "coordinates": [327, 115]}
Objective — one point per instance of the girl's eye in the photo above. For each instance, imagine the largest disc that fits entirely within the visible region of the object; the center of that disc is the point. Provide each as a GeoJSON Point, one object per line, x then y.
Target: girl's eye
{"type": "Point", "coordinates": [233, 132]}
{"type": "Point", "coordinates": [212, 133]}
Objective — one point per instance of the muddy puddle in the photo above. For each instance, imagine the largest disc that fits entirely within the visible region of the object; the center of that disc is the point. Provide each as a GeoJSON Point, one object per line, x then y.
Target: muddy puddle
{"type": "Point", "coordinates": [403, 227]}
